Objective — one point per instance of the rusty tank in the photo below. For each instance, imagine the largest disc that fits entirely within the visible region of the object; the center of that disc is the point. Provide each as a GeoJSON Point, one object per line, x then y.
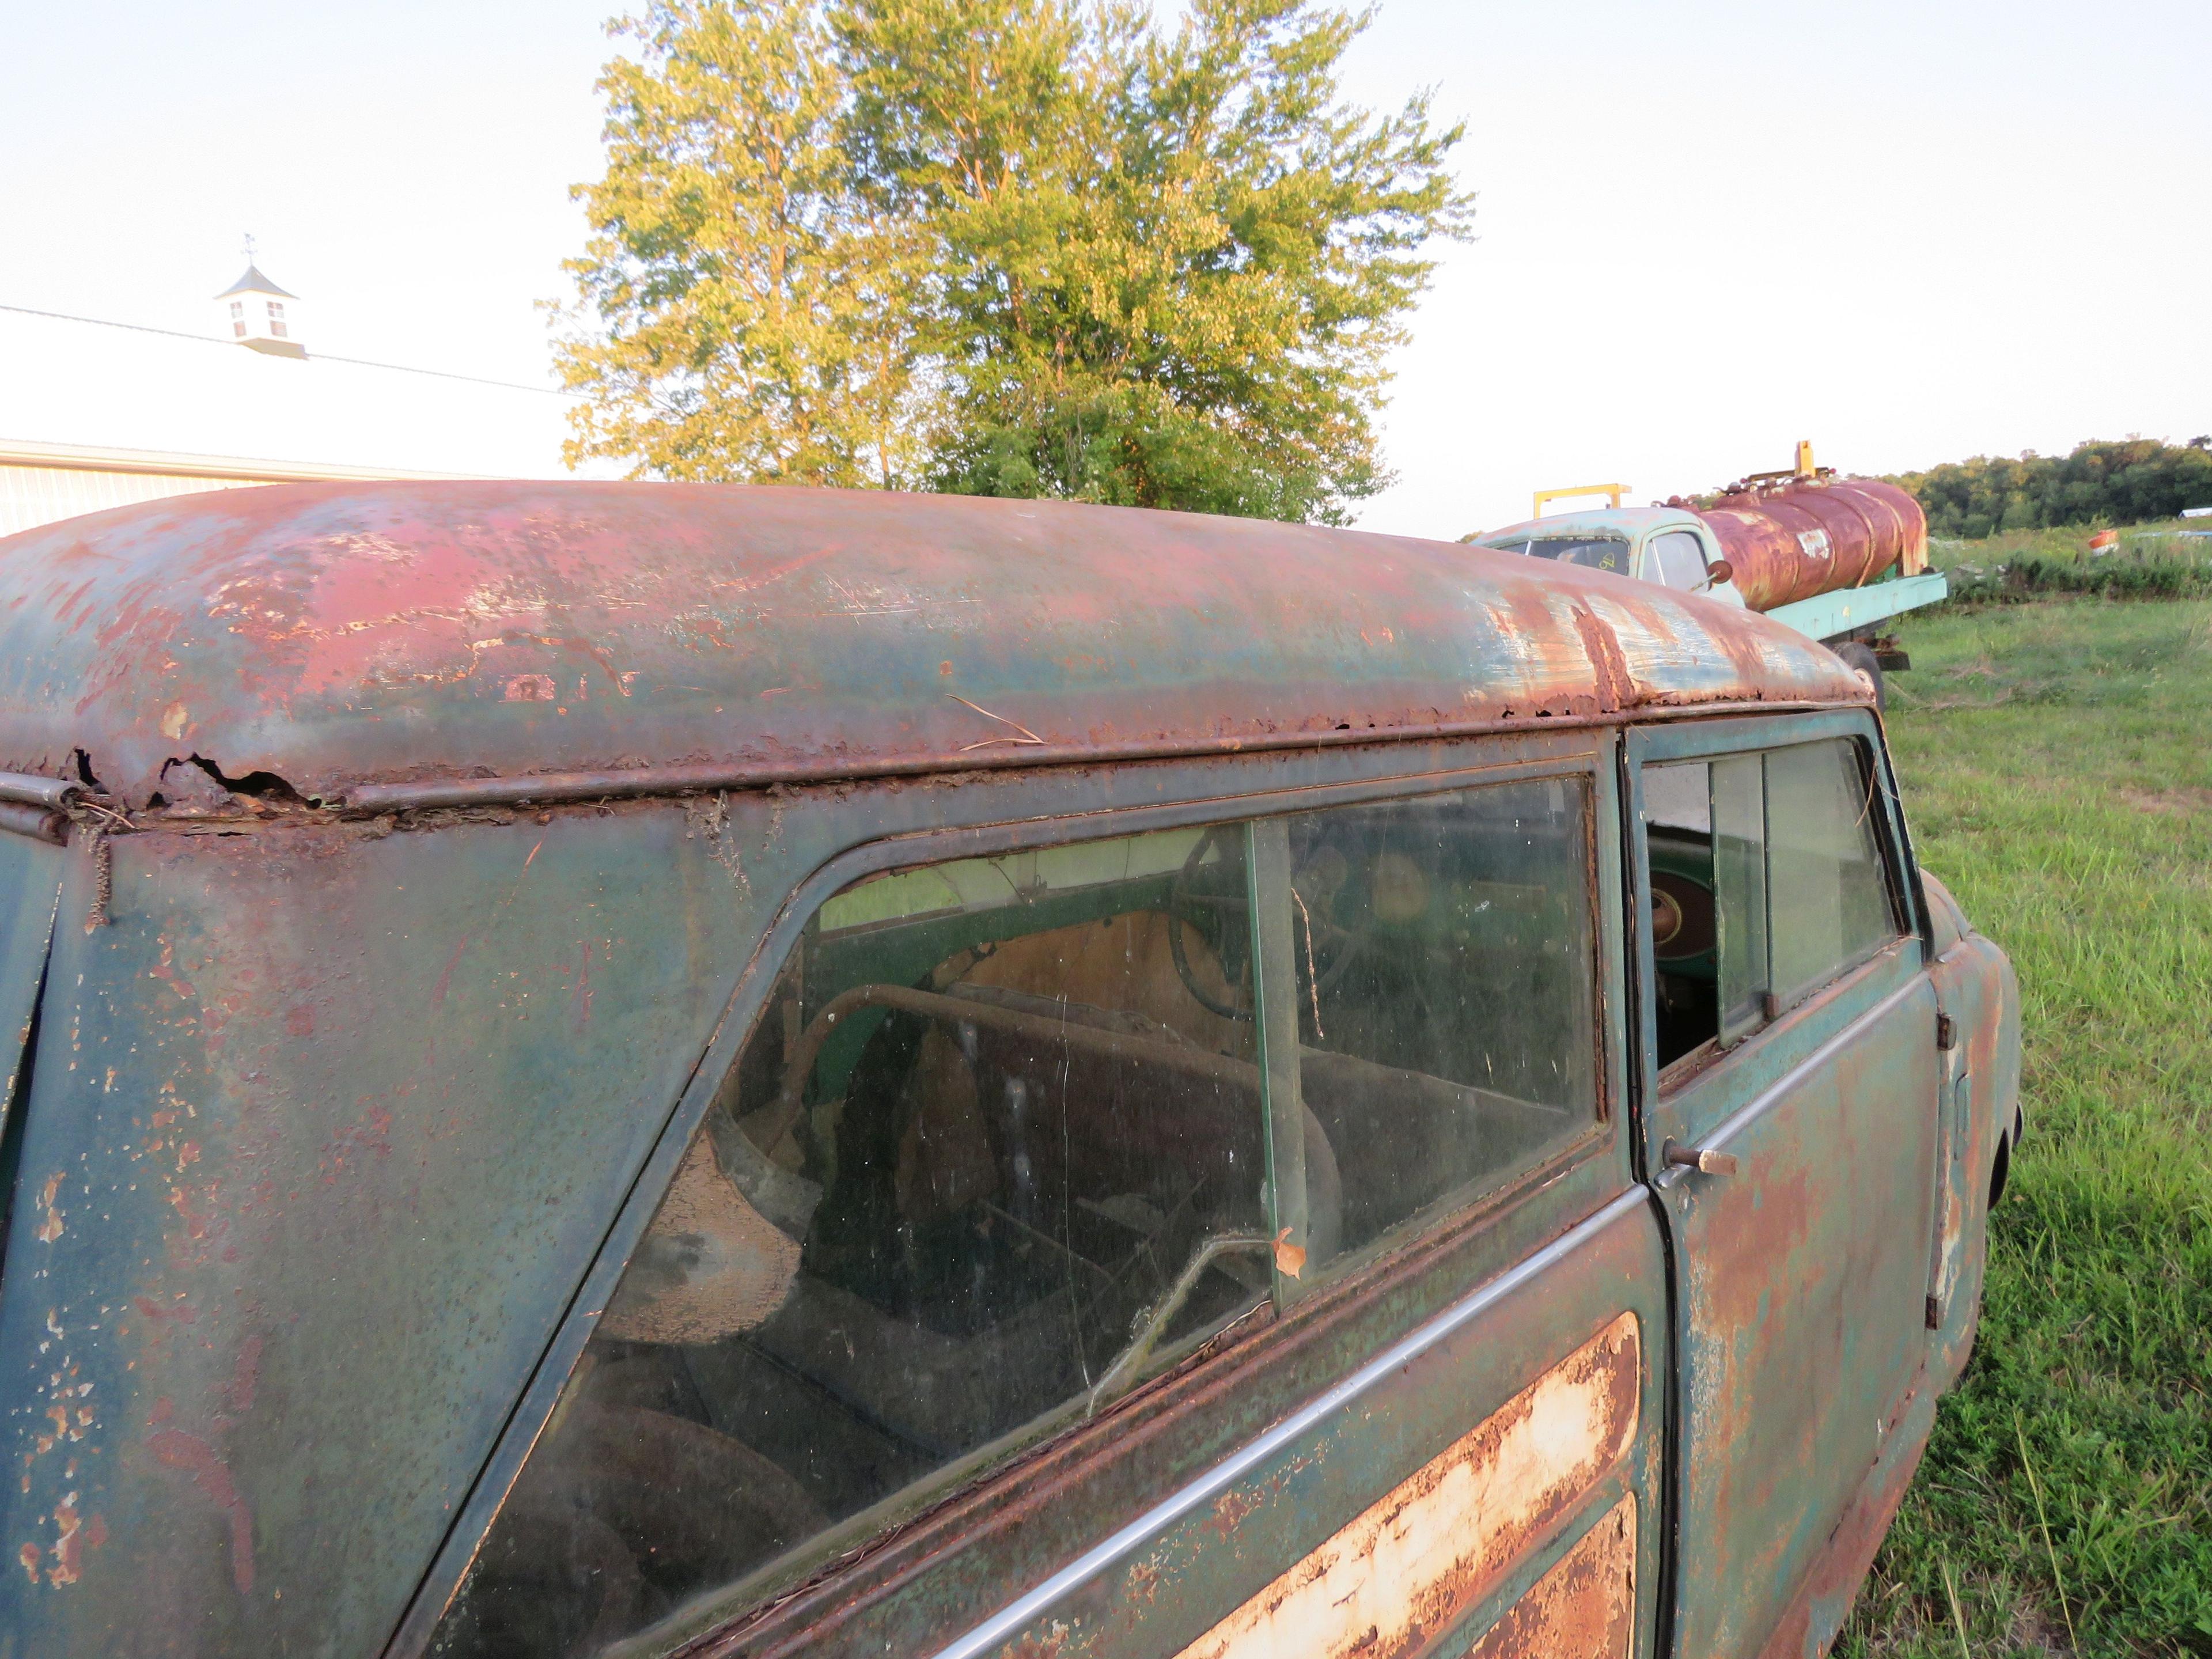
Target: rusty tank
{"type": "Point", "coordinates": [1789, 535]}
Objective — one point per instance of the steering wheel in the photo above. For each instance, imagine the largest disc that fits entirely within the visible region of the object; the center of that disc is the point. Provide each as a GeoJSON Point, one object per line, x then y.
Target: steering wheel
{"type": "Point", "coordinates": [1311, 934]}
{"type": "Point", "coordinates": [1188, 903]}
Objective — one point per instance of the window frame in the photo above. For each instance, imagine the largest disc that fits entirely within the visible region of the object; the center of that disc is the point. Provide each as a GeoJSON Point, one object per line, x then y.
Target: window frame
{"type": "Point", "coordinates": [1716, 739]}
{"type": "Point", "coordinates": [1591, 752]}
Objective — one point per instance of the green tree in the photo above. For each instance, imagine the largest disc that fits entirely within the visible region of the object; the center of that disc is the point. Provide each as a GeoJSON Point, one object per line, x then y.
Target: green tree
{"type": "Point", "coordinates": [750, 307]}
{"type": "Point", "coordinates": [1154, 267]}
{"type": "Point", "coordinates": [2131, 481]}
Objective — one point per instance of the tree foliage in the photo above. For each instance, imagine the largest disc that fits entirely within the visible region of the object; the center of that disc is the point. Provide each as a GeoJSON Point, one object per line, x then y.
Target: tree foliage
{"type": "Point", "coordinates": [2131, 481]}
{"type": "Point", "coordinates": [1015, 247]}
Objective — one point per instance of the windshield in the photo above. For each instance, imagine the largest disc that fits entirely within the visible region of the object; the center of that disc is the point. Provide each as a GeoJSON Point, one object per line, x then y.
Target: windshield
{"type": "Point", "coordinates": [1593, 552]}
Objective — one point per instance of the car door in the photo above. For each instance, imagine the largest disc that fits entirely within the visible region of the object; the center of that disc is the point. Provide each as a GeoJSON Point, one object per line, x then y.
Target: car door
{"type": "Point", "coordinates": [1791, 1080]}
{"type": "Point", "coordinates": [965, 1339]}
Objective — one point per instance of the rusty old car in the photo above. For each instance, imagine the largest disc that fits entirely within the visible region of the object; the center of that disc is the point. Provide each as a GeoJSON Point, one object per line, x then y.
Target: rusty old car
{"type": "Point", "coordinates": [632, 1069]}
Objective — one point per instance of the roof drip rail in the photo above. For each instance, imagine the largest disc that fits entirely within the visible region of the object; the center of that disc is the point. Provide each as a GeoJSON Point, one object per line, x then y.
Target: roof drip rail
{"type": "Point", "coordinates": [55, 794]}
{"type": "Point", "coordinates": [554, 788]}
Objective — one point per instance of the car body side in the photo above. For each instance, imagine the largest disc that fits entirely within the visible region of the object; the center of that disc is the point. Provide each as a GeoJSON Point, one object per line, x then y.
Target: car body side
{"type": "Point", "coordinates": [333, 1131]}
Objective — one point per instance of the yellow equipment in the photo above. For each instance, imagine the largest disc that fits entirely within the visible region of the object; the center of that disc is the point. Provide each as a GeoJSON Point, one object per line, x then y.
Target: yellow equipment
{"type": "Point", "coordinates": [1614, 491]}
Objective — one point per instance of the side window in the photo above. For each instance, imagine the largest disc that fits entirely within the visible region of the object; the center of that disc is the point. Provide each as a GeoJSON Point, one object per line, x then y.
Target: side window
{"type": "Point", "coordinates": [1830, 898]}
{"type": "Point", "coordinates": [1678, 560]}
{"type": "Point", "coordinates": [1767, 882]}
{"type": "Point", "coordinates": [994, 1111]}
{"type": "Point", "coordinates": [1446, 964]}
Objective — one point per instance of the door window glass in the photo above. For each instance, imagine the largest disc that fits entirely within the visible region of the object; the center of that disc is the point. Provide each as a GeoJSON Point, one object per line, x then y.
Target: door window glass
{"type": "Point", "coordinates": [1446, 958]}
{"type": "Point", "coordinates": [1679, 560]}
{"type": "Point", "coordinates": [1831, 902]}
{"type": "Point", "coordinates": [993, 1112]}
{"type": "Point", "coordinates": [1767, 881]}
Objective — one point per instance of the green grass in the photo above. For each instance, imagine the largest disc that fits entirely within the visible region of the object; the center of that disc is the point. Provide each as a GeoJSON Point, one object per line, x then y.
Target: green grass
{"type": "Point", "coordinates": [2160, 561]}
{"type": "Point", "coordinates": [2057, 759]}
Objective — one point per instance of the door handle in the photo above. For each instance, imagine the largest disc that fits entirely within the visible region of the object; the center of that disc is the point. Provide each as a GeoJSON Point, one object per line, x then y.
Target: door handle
{"type": "Point", "coordinates": [1704, 1159]}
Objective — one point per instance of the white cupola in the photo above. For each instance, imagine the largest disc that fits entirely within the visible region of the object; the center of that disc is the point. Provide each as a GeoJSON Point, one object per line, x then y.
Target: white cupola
{"type": "Point", "coordinates": [257, 313]}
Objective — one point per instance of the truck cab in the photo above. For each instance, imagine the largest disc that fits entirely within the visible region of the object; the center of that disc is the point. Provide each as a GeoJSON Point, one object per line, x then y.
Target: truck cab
{"type": "Point", "coordinates": [1669, 545]}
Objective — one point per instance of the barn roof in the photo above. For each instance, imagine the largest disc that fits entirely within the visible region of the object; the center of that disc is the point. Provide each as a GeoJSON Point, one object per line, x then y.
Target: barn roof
{"type": "Point", "coordinates": [349, 637]}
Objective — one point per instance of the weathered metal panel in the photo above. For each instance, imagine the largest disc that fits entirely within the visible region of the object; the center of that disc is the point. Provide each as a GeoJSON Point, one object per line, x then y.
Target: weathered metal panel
{"type": "Point", "coordinates": [1584, 1608]}
{"type": "Point", "coordinates": [336, 635]}
{"type": "Point", "coordinates": [1411, 1565]}
{"type": "Point", "coordinates": [324, 1127]}
{"type": "Point", "coordinates": [1808, 1625]}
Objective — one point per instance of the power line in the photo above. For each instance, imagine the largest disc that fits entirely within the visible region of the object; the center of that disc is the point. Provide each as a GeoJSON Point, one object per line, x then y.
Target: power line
{"type": "Point", "coordinates": [319, 356]}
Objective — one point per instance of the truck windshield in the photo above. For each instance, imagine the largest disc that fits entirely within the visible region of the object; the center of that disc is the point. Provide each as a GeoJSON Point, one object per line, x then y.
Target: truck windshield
{"type": "Point", "coordinates": [1594, 552]}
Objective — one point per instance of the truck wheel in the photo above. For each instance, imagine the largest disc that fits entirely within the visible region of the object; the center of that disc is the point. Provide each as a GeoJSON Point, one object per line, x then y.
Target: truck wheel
{"type": "Point", "coordinates": [1860, 659]}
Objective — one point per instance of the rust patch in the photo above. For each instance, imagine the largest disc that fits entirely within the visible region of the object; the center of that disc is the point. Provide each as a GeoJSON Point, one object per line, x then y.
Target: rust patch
{"type": "Point", "coordinates": [1584, 1608]}
{"type": "Point", "coordinates": [1615, 691]}
{"type": "Point", "coordinates": [49, 1226]}
{"type": "Point", "coordinates": [1411, 1565]}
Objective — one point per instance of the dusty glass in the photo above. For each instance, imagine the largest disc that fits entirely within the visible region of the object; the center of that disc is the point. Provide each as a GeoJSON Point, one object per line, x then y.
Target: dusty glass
{"type": "Point", "coordinates": [1680, 560]}
{"type": "Point", "coordinates": [987, 1139]}
{"type": "Point", "coordinates": [1446, 960]}
{"type": "Point", "coordinates": [1833, 903]}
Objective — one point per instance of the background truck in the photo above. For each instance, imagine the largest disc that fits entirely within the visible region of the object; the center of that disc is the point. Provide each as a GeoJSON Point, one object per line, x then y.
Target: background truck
{"type": "Point", "coordinates": [1835, 558]}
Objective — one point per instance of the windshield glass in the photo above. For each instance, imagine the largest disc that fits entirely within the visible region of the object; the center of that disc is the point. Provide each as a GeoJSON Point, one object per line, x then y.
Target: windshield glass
{"type": "Point", "coordinates": [1594, 552]}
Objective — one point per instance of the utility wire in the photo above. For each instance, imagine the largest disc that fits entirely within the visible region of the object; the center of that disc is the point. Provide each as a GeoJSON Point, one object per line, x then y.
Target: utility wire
{"type": "Point", "coordinates": [312, 358]}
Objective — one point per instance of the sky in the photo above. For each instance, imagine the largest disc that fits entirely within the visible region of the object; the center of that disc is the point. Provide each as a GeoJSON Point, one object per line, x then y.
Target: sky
{"type": "Point", "coordinates": [1908, 232]}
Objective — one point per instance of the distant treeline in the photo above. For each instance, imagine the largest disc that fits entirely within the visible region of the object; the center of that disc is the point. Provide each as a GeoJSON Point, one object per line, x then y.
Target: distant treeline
{"type": "Point", "coordinates": [2131, 482]}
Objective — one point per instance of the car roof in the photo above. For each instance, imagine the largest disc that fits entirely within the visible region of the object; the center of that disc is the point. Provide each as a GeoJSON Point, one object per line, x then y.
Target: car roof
{"type": "Point", "coordinates": [1626, 522]}
{"type": "Point", "coordinates": [341, 637]}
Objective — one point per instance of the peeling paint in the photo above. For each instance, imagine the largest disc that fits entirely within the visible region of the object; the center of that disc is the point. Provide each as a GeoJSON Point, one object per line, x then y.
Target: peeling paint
{"type": "Point", "coordinates": [1414, 1563]}
{"type": "Point", "coordinates": [50, 1213]}
{"type": "Point", "coordinates": [1584, 1608]}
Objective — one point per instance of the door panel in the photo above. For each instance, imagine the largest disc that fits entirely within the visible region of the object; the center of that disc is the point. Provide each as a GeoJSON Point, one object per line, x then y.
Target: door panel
{"type": "Point", "coordinates": [1803, 1265]}
{"type": "Point", "coordinates": [1802, 1312]}
{"type": "Point", "coordinates": [1460, 1379]}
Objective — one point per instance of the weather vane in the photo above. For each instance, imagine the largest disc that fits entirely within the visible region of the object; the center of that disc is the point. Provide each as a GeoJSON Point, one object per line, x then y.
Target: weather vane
{"type": "Point", "coordinates": [249, 247]}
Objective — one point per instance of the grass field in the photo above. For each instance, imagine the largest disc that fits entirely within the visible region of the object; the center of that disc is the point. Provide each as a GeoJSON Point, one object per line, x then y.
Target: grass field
{"type": "Point", "coordinates": [2058, 767]}
{"type": "Point", "coordinates": [2168, 561]}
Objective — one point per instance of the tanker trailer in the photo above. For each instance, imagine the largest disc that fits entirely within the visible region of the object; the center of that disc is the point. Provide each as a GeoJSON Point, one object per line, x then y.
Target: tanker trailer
{"type": "Point", "coordinates": [1834, 557]}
